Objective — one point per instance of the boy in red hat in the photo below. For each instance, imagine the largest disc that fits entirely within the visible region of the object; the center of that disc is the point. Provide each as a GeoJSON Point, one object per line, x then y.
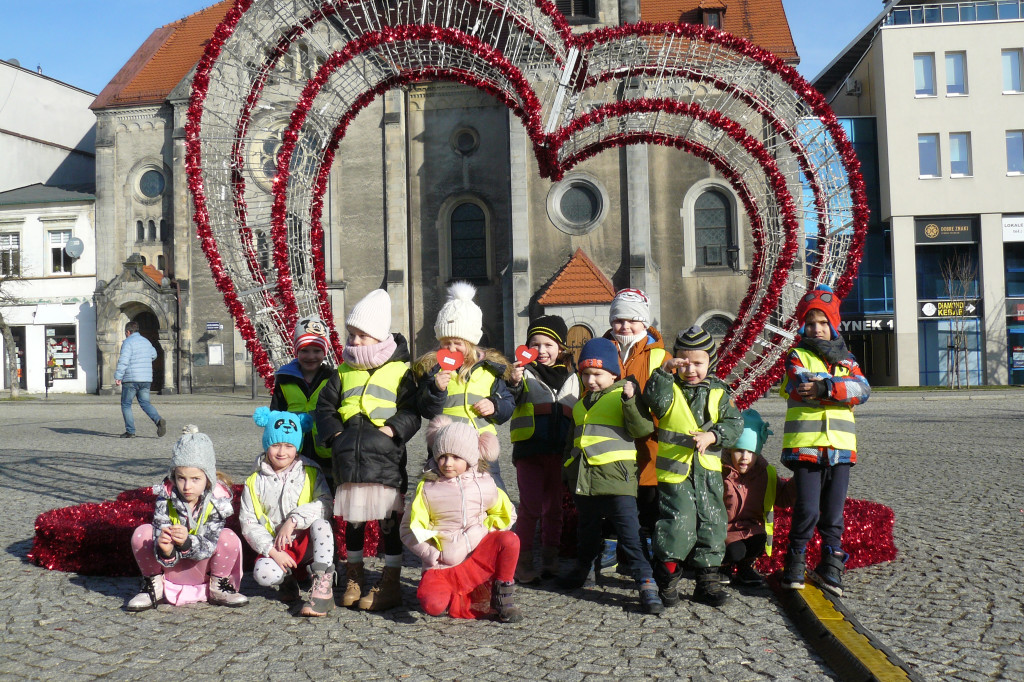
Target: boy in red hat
{"type": "Point", "coordinates": [823, 384]}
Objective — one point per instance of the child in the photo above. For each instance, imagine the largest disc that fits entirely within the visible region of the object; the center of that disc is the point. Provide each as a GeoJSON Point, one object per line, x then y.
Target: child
{"type": "Point", "coordinates": [601, 467]}
{"type": "Point", "coordinates": [297, 385]}
{"type": "Point", "coordinates": [457, 525]}
{"type": "Point", "coordinates": [367, 413]}
{"type": "Point", "coordinates": [476, 393]}
{"type": "Point", "coordinates": [187, 539]}
{"type": "Point", "coordinates": [545, 392]}
{"type": "Point", "coordinates": [695, 415]}
{"type": "Point", "coordinates": [823, 384]}
{"type": "Point", "coordinates": [752, 490]}
{"type": "Point", "coordinates": [642, 351]}
{"type": "Point", "coordinates": [285, 504]}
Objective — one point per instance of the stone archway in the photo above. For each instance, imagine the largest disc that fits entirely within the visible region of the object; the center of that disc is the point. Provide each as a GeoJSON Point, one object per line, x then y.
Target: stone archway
{"type": "Point", "coordinates": [149, 327]}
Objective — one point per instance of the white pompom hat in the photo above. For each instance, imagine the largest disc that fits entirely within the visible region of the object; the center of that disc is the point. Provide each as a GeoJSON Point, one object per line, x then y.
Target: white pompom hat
{"type": "Point", "coordinates": [372, 314]}
{"type": "Point", "coordinates": [460, 317]}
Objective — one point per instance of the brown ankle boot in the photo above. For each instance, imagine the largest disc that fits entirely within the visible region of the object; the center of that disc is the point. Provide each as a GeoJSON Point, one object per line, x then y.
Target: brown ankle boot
{"type": "Point", "coordinates": [549, 563]}
{"type": "Point", "coordinates": [525, 572]}
{"type": "Point", "coordinates": [387, 593]}
{"type": "Point", "coordinates": [354, 584]}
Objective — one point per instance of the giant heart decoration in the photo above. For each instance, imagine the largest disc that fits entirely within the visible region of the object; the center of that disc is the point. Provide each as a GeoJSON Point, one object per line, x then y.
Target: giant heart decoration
{"type": "Point", "coordinates": [300, 72]}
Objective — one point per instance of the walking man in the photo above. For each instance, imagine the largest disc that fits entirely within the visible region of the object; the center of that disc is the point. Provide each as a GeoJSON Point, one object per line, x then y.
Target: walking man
{"type": "Point", "coordinates": [134, 374]}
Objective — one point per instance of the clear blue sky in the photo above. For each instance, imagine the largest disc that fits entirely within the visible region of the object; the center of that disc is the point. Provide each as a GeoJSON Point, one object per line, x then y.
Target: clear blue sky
{"type": "Point", "coordinates": [85, 42]}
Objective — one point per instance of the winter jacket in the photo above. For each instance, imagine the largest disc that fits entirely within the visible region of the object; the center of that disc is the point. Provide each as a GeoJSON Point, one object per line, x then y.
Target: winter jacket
{"type": "Point", "coordinates": [135, 363]}
{"type": "Point", "coordinates": [552, 417]}
{"type": "Point", "coordinates": [448, 517]}
{"type": "Point", "coordinates": [279, 494]}
{"type": "Point", "coordinates": [638, 365]}
{"type": "Point", "coordinates": [430, 400]}
{"type": "Point", "coordinates": [613, 478]}
{"type": "Point", "coordinates": [360, 453]}
{"type": "Point", "coordinates": [291, 374]}
{"type": "Point", "coordinates": [658, 395]}
{"type": "Point", "coordinates": [201, 544]}
{"type": "Point", "coordinates": [744, 497]}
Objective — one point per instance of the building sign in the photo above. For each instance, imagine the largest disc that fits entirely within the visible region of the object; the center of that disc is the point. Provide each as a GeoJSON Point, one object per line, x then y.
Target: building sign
{"type": "Point", "coordinates": [1017, 357]}
{"type": "Point", "coordinates": [946, 230]}
{"type": "Point", "coordinates": [214, 326]}
{"type": "Point", "coordinates": [1013, 228]}
{"type": "Point", "coordinates": [867, 324]}
{"type": "Point", "coordinates": [931, 309]}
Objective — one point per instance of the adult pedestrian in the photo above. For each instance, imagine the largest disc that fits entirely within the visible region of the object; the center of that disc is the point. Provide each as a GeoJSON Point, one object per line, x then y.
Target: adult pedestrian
{"type": "Point", "coordinates": [134, 374]}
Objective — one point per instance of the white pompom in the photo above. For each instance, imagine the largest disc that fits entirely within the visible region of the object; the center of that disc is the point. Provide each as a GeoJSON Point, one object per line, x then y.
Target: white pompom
{"type": "Point", "coordinates": [189, 428]}
{"type": "Point", "coordinates": [461, 291]}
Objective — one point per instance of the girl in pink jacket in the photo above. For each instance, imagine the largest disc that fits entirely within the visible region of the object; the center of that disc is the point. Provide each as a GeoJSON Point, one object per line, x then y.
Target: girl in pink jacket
{"type": "Point", "coordinates": [458, 525]}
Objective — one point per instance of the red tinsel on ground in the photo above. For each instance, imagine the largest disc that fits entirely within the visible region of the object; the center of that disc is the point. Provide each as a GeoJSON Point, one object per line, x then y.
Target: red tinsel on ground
{"type": "Point", "coordinates": [95, 538]}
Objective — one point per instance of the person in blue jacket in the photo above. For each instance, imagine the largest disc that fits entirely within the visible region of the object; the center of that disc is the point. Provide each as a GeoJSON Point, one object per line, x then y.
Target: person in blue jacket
{"type": "Point", "coordinates": [134, 374]}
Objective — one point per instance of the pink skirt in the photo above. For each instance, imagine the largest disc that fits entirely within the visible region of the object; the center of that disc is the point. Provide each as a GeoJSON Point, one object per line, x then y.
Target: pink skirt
{"type": "Point", "coordinates": [360, 502]}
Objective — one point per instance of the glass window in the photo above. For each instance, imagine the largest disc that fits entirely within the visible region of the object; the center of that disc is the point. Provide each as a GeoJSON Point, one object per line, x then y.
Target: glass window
{"type": "Point", "coordinates": [62, 352]}
{"type": "Point", "coordinates": [1013, 254]}
{"type": "Point", "coordinates": [956, 73]}
{"type": "Point", "coordinates": [1011, 70]}
{"type": "Point", "coordinates": [59, 258]}
{"type": "Point", "coordinates": [152, 230]}
{"type": "Point", "coordinates": [580, 204]}
{"type": "Point", "coordinates": [151, 184]}
{"type": "Point", "coordinates": [576, 9]}
{"type": "Point", "coordinates": [161, 263]}
{"type": "Point", "coordinates": [936, 359]}
{"type": "Point", "coordinates": [935, 262]}
{"type": "Point", "coordinates": [928, 155]}
{"type": "Point", "coordinates": [140, 231]}
{"type": "Point", "coordinates": [713, 18]}
{"type": "Point", "coordinates": [924, 74]}
{"type": "Point", "coordinates": [468, 242]}
{"type": "Point", "coordinates": [10, 254]}
{"type": "Point", "coordinates": [717, 325]}
{"type": "Point", "coordinates": [959, 154]}
{"type": "Point", "coordinates": [1015, 151]}
{"type": "Point", "coordinates": [712, 221]}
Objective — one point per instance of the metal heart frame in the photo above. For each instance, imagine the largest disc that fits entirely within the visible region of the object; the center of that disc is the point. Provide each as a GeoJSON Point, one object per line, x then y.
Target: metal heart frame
{"type": "Point", "coordinates": [705, 92]}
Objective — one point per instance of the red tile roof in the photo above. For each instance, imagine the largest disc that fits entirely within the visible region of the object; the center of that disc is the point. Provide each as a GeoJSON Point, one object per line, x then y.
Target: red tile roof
{"type": "Point", "coordinates": [163, 60]}
{"type": "Point", "coordinates": [578, 282]}
{"type": "Point", "coordinates": [763, 22]}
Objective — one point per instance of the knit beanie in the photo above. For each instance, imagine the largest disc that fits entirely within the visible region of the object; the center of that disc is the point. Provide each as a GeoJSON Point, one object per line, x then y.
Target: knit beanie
{"type": "Point", "coordinates": [281, 427]}
{"type": "Point", "coordinates": [696, 338]}
{"type": "Point", "coordinates": [195, 449]}
{"type": "Point", "coordinates": [551, 326]}
{"type": "Point", "coordinates": [310, 330]}
{"type": "Point", "coordinates": [755, 432]}
{"type": "Point", "coordinates": [600, 353]}
{"type": "Point", "coordinates": [447, 437]}
{"type": "Point", "coordinates": [372, 314]}
{"type": "Point", "coordinates": [820, 298]}
{"type": "Point", "coordinates": [460, 317]}
{"type": "Point", "coordinates": [630, 304]}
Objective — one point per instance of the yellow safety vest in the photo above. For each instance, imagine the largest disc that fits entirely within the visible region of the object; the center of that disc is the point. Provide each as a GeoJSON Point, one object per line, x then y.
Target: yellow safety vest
{"type": "Point", "coordinates": [176, 520]}
{"type": "Point", "coordinates": [462, 396]}
{"type": "Point", "coordinates": [299, 404]}
{"type": "Point", "coordinates": [809, 425]}
{"type": "Point", "coordinates": [675, 444]}
{"type": "Point", "coordinates": [305, 497]}
{"type": "Point", "coordinates": [600, 432]}
{"type": "Point", "coordinates": [374, 395]}
{"type": "Point", "coordinates": [537, 394]}
{"type": "Point", "coordinates": [769, 508]}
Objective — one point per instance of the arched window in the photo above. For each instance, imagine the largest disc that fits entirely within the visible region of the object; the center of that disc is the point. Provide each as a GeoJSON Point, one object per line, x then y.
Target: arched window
{"type": "Point", "coordinates": [468, 242]}
{"type": "Point", "coordinates": [152, 231]}
{"type": "Point", "coordinates": [140, 231]}
{"type": "Point", "coordinates": [161, 264]}
{"type": "Point", "coordinates": [716, 326]}
{"type": "Point", "coordinates": [713, 230]}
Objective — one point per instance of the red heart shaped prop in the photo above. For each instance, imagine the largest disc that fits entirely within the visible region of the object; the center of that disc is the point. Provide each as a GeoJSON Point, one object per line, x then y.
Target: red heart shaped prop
{"type": "Point", "coordinates": [450, 359]}
{"type": "Point", "coordinates": [685, 86]}
{"type": "Point", "coordinates": [525, 355]}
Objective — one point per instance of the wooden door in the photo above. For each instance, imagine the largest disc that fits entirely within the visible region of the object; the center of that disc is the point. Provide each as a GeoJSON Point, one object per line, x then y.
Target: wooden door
{"type": "Point", "coordinates": [577, 336]}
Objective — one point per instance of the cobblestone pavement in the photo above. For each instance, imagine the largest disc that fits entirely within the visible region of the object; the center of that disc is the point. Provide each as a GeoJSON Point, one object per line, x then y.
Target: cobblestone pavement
{"type": "Point", "coordinates": [950, 605]}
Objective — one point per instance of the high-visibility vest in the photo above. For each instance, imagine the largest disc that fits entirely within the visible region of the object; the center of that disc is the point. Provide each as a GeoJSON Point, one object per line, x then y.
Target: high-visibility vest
{"type": "Point", "coordinates": [374, 395]}
{"type": "Point", "coordinates": [463, 395]}
{"type": "Point", "coordinates": [675, 444]}
{"type": "Point", "coordinates": [298, 403]}
{"type": "Point", "coordinates": [305, 497]}
{"type": "Point", "coordinates": [600, 433]}
{"type": "Point", "coordinates": [769, 508]}
{"type": "Point", "coordinates": [541, 399]}
{"type": "Point", "coordinates": [176, 520]}
{"type": "Point", "coordinates": [809, 425]}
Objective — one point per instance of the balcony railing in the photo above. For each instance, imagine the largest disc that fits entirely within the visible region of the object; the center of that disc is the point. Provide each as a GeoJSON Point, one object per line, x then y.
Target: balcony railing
{"type": "Point", "coordinates": [956, 13]}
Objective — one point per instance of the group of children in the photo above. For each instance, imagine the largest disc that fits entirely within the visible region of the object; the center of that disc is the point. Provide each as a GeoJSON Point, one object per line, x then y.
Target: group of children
{"type": "Point", "coordinates": [650, 445]}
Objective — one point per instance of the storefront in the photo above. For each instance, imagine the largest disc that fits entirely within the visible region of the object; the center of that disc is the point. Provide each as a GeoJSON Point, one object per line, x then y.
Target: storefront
{"type": "Point", "coordinates": [1013, 257]}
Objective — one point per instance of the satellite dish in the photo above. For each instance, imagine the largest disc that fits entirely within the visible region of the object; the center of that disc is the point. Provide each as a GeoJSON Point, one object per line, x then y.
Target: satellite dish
{"type": "Point", "coordinates": [14, 61]}
{"type": "Point", "coordinates": [74, 247]}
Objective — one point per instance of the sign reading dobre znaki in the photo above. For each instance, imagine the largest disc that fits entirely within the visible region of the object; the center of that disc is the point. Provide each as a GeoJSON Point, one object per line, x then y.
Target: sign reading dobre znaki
{"type": "Point", "coordinates": [946, 230]}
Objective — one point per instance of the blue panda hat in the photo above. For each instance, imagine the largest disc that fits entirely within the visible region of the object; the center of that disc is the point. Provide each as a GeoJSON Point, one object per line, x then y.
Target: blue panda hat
{"type": "Point", "coordinates": [282, 427]}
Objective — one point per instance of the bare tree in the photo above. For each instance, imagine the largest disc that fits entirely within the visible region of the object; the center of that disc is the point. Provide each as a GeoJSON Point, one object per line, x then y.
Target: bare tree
{"type": "Point", "coordinates": [10, 350]}
{"type": "Point", "coordinates": [959, 274]}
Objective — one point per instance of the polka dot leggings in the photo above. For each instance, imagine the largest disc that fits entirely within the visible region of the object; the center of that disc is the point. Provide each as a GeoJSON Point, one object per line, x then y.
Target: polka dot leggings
{"type": "Point", "coordinates": [319, 549]}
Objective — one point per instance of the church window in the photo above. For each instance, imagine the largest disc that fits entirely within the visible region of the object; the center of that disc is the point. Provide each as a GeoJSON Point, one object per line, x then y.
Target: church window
{"type": "Point", "coordinates": [468, 241]}
{"type": "Point", "coordinates": [713, 230]}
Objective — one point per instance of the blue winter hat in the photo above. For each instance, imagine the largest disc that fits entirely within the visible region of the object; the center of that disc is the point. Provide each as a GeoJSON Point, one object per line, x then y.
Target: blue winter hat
{"type": "Point", "coordinates": [755, 432]}
{"type": "Point", "coordinates": [282, 427]}
{"type": "Point", "coordinates": [600, 353]}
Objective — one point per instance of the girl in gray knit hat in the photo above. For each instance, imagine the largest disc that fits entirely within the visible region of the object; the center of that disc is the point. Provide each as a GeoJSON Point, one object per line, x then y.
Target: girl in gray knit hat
{"type": "Point", "coordinates": [187, 555]}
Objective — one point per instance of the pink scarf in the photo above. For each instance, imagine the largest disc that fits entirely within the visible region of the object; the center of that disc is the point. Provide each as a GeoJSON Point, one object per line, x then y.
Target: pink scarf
{"type": "Point", "coordinates": [369, 357]}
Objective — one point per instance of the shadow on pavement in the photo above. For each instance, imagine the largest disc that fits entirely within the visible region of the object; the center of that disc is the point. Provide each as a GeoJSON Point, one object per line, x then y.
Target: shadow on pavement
{"type": "Point", "coordinates": [84, 432]}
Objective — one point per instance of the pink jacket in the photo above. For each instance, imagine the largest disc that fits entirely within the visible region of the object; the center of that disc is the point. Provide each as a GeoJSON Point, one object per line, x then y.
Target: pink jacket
{"type": "Point", "coordinates": [448, 517]}
{"type": "Point", "coordinates": [744, 498]}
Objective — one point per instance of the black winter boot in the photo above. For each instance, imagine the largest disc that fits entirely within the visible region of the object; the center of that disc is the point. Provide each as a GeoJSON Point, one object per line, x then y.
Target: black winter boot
{"type": "Point", "coordinates": [829, 572]}
{"type": "Point", "coordinates": [668, 583]}
{"type": "Point", "coordinates": [793, 573]}
{"type": "Point", "coordinates": [709, 588]}
{"type": "Point", "coordinates": [502, 601]}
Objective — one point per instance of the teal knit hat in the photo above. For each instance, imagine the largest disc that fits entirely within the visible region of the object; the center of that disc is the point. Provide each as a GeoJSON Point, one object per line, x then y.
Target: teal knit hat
{"type": "Point", "coordinates": [755, 432]}
{"type": "Point", "coordinates": [282, 427]}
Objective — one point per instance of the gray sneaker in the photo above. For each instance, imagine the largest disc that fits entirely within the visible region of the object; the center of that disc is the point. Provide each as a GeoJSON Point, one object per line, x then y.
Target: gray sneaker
{"type": "Point", "coordinates": [161, 427]}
